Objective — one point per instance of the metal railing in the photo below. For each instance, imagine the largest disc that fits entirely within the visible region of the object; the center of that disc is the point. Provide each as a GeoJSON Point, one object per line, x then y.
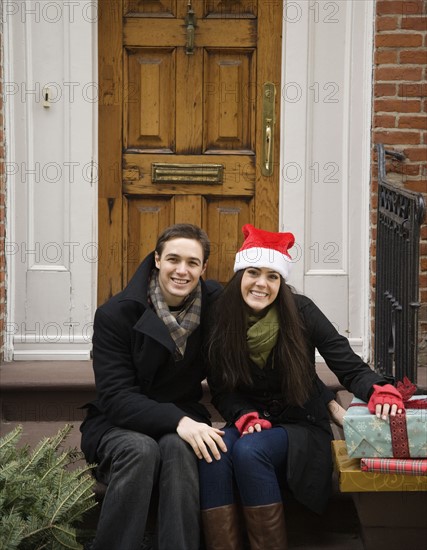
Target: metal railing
{"type": "Point", "coordinates": [399, 217]}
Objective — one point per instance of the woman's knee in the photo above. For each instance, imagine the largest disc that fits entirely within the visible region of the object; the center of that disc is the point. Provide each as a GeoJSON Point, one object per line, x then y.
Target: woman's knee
{"type": "Point", "coordinates": [246, 450]}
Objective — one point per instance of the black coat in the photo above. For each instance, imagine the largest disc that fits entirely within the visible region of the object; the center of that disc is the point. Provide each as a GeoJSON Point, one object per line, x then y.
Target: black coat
{"type": "Point", "coordinates": [139, 384]}
{"type": "Point", "coordinates": [309, 464]}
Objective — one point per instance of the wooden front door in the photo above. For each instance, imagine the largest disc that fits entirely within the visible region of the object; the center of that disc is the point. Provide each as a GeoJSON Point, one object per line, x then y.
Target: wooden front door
{"type": "Point", "coordinates": [187, 131]}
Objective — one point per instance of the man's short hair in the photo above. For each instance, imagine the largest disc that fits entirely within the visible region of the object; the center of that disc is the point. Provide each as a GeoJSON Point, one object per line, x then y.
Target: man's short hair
{"type": "Point", "coordinates": [184, 231]}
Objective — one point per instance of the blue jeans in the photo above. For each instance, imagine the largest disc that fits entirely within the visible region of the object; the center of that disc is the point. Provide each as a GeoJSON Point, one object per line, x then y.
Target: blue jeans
{"type": "Point", "coordinates": [255, 464]}
{"type": "Point", "coordinates": [132, 464]}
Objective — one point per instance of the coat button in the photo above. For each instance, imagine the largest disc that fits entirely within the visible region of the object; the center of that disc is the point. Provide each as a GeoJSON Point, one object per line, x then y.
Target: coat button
{"type": "Point", "coordinates": [266, 414]}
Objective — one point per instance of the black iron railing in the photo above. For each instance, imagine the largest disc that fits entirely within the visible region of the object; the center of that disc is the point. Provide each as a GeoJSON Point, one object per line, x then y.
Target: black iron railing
{"type": "Point", "coordinates": [400, 215]}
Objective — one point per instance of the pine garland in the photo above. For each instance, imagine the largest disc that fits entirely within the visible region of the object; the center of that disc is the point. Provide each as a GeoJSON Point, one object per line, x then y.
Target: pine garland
{"type": "Point", "coordinates": [41, 500]}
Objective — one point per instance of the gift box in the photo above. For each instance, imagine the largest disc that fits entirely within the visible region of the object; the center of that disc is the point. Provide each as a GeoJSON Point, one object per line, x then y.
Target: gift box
{"type": "Point", "coordinates": [352, 479]}
{"type": "Point", "coordinates": [406, 466]}
{"type": "Point", "coordinates": [402, 436]}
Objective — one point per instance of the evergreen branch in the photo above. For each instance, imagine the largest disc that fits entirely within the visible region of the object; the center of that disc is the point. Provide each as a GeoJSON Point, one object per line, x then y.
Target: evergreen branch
{"type": "Point", "coordinates": [51, 443]}
{"type": "Point", "coordinates": [37, 453]}
{"type": "Point", "coordinates": [61, 436]}
{"type": "Point", "coordinates": [84, 486]}
{"type": "Point", "coordinates": [87, 504]}
{"type": "Point", "coordinates": [40, 498]}
{"type": "Point", "coordinates": [60, 461]}
{"type": "Point", "coordinates": [12, 527]}
{"type": "Point", "coordinates": [66, 537]}
{"type": "Point", "coordinates": [11, 438]}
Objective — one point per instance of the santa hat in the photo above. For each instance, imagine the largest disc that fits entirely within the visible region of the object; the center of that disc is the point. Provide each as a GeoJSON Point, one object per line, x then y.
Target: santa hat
{"type": "Point", "coordinates": [265, 249]}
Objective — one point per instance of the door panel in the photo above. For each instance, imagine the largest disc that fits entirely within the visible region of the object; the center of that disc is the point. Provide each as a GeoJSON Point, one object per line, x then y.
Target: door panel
{"type": "Point", "coordinates": [189, 147]}
{"type": "Point", "coordinates": [150, 111]}
{"type": "Point", "coordinates": [229, 115]}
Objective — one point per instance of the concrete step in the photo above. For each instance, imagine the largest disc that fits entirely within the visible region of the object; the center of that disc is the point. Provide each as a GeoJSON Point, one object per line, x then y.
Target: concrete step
{"type": "Point", "coordinates": [50, 391]}
{"type": "Point", "coordinates": [43, 396]}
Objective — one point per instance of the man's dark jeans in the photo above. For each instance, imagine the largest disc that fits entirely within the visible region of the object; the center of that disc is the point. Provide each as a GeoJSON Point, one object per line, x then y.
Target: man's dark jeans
{"type": "Point", "coordinates": [131, 465]}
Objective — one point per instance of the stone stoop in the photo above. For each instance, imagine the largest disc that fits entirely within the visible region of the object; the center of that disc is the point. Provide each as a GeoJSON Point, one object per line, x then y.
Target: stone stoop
{"type": "Point", "coordinates": [43, 396]}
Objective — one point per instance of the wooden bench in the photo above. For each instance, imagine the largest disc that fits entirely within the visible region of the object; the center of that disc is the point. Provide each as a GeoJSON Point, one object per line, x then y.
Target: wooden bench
{"type": "Point", "coordinates": [392, 508]}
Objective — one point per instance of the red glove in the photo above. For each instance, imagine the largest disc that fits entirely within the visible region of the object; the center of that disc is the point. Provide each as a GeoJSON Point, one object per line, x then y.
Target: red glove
{"type": "Point", "coordinates": [385, 395]}
{"type": "Point", "coordinates": [250, 419]}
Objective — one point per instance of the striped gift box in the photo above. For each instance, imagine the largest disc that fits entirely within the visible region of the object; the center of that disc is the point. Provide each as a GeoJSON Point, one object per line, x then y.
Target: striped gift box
{"type": "Point", "coordinates": [408, 466]}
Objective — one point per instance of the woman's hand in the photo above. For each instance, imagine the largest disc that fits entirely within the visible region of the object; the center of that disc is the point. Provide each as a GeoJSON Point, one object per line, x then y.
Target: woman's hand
{"type": "Point", "coordinates": [202, 438]}
{"type": "Point", "coordinates": [336, 412]}
{"type": "Point", "coordinates": [386, 400]}
{"type": "Point", "coordinates": [250, 423]}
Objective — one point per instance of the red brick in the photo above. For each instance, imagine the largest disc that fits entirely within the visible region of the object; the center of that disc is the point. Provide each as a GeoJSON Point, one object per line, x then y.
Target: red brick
{"type": "Point", "coordinates": [385, 89]}
{"type": "Point", "coordinates": [416, 154]}
{"type": "Point", "coordinates": [399, 40]}
{"type": "Point", "coordinates": [399, 7]}
{"type": "Point", "coordinates": [410, 170]}
{"type": "Point", "coordinates": [397, 137]}
{"type": "Point", "coordinates": [423, 281]}
{"type": "Point", "coordinates": [387, 24]}
{"type": "Point", "coordinates": [413, 89]}
{"type": "Point", "coordinates": [414, 23]}
{"type": "Point", "coordinates": [384, 121]}
{"type": "Point", "coordinates": [413, 56]}
{"type": "Point", "coordinates": [397, 105]}
{"type": "Point", "coordinates": [383, 57]}
{"type": "Point", "coordinates": [418, 186]}
{"type": "Point", "coordinates": [413, 122]}
{"type": "Point", "coordinates": [398, 73]}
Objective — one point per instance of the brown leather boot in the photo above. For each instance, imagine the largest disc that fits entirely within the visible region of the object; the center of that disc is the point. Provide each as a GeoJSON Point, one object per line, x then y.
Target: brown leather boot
{"type": "Point", "coordinates": [221, 528]}
{"type": "Point", "coordinates": [266, 526]}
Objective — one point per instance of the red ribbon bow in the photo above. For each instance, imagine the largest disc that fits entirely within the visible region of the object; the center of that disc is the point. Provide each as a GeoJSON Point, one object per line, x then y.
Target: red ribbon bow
{"type": "Point", "coordinates": [407, 389]}
{"type": "Point", "coordinates": [398, 428]}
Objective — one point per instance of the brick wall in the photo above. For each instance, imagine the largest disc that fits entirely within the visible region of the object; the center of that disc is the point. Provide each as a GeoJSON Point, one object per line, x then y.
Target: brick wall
{"type": "Point", "coordinates": [2, 205]}
{"type": "Point", "coordinates": [400, 112]}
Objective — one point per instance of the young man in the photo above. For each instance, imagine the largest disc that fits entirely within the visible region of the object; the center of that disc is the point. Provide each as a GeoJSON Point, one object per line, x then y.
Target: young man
{"type": "Point", "coordinates": [147, 428]}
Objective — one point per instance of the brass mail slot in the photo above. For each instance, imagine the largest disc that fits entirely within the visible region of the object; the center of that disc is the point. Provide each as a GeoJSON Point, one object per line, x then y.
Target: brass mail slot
{"type": "Point", "coordinates": [211, 174]}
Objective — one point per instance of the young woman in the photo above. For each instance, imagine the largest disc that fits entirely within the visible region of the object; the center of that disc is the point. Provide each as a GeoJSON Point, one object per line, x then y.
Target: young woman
{"type": "Point", "coordinates": [263, 382]}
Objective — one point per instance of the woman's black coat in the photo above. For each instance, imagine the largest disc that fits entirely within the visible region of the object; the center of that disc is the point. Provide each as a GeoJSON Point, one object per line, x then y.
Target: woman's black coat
{"type": "Point", "coordinates": [139, 385]}
{"type": "Point", "coordinates": [309, 463]}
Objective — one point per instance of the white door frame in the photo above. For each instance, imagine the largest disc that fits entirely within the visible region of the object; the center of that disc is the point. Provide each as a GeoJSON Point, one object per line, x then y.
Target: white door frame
{"type": "Point", "coordinates": [327, 57]}
{"type": "Point", "coordinates": [51, 171]}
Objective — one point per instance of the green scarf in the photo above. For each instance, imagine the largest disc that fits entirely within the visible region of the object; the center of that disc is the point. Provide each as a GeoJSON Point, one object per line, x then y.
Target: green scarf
{"type": "Point", "coordinates": [262, 335]}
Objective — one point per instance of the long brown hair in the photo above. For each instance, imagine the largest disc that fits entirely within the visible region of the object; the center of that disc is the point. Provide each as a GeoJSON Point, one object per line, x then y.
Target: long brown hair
{"type": "Point", "coordinates": [228, 351]}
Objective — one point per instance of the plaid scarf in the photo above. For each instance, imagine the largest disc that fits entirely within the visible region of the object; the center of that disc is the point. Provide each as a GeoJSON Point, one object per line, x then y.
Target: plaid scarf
{"type": "Point", "coordinates": [188, 319]}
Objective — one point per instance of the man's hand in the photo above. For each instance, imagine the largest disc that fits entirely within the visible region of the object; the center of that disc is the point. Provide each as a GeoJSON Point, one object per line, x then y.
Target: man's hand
{"type": "Point", "coordinates": [336, 412]}
{"type": "Point", "coordinates": [202, 438]}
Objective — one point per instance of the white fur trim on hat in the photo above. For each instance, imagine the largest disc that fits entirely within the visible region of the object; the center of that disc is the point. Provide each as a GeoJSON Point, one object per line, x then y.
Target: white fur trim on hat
{"type": "Point", "coordinates": [263, 257]}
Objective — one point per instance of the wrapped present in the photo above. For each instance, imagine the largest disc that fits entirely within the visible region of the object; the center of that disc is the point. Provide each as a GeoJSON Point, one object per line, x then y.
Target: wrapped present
{"type": "Point", "coordinates": [353, 480]}
{"type": "Point", "coordinates": [400, 436]}
{"type": "Point", "coordinates": [407, 466]}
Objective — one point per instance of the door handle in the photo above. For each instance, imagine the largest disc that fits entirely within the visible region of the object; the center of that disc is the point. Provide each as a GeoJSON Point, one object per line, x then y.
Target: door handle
{"type": "Point", "coordinates": [190, 21]}
{"type": "Point", "coordinates": [268, 121]}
